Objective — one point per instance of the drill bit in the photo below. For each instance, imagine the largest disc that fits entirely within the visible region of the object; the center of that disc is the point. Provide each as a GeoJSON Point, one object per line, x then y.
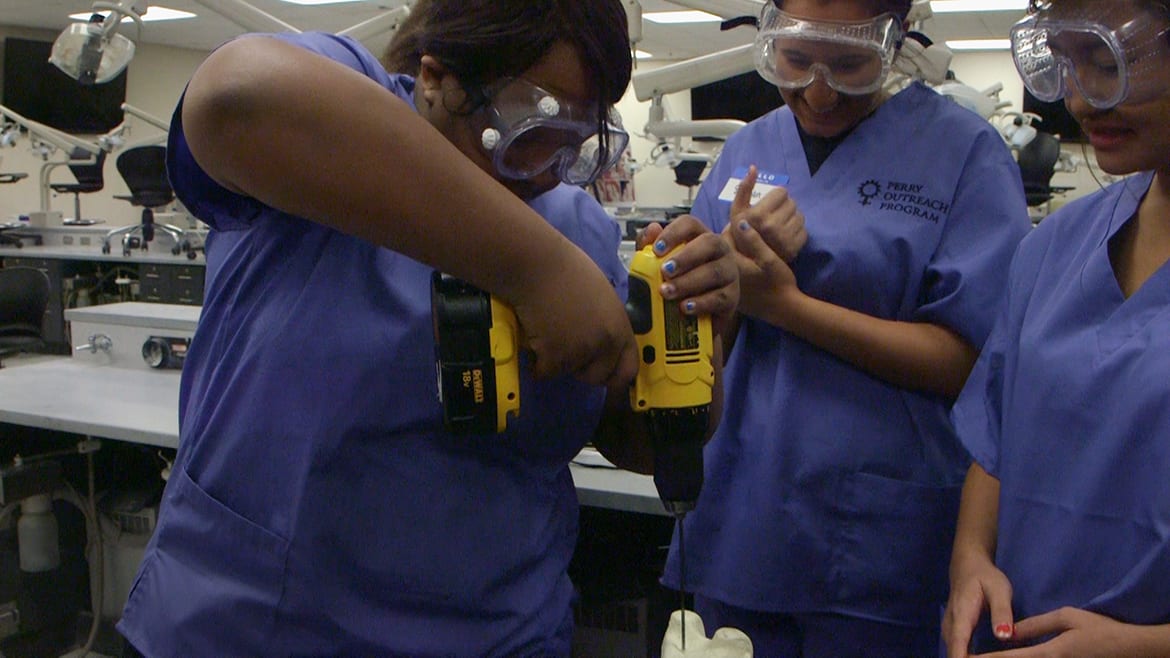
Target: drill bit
{"type": "Point", "coordinates": [682, 582]}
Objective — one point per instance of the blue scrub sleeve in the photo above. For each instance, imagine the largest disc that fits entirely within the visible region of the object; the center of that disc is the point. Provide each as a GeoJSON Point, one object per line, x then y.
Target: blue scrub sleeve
{"type": "Point", "coordinates": [706, 207]}
{"type": "Point", "coordinates": [223, 209]}
{"type": "Point", "coordinates": [988, 218]}
{"type": "Point", "coordinates": [589, 226]}
{"type": "Point", "coordinates": [978, 411]}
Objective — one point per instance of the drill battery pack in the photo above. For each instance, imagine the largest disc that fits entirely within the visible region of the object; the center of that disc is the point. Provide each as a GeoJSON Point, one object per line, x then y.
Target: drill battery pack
{"type": "Point", "coordinates": [476, 357]}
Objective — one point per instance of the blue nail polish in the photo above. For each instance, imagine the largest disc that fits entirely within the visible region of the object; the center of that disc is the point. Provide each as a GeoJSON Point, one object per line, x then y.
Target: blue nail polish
{"type": "Point", "coordinates": [660, 246]}
{"type": "Point", "coordinates": [690, 306]}
{"type": "Point", "coordinates": [669, 267]}
{"type": "Point", "coordinates": [743, 226]}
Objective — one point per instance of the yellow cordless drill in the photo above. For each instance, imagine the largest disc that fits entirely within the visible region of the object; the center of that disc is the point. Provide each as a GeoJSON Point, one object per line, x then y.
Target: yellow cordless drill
{"type": "Point", "coordinates": [674, 381]}
{"type": "Point", "coordinates": [476, 344]}
{"type": "Point", "coordinates": [476, 348]}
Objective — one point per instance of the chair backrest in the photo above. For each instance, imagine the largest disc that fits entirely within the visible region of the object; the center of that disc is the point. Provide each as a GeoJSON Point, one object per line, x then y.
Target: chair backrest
{"type": "Point", "coordinates": [144, 168]}
{"type": "Point", "coordinates": [1037, 160]}
{"type": "Point", "coordinates": [689, 172]}
{"type": "Point", "coordinates": [89, 176]}
{"type": "Point", "coordinates": [24, 295]}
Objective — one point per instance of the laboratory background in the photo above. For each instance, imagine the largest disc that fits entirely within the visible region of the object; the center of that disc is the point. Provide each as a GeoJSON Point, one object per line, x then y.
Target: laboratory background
{"type": "Point", "coordinates": [88, 420]}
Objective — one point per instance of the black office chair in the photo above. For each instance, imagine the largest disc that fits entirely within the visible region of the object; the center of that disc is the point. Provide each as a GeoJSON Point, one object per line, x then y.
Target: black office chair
{"type": "Point", "coordinates": [689, 173]}
{"type": "Point", "coordinates": [6, 239]}
{"type": "Point", "coordinates": [87, 169]}
{"type": "Point", "coordinates": [144, 168]}
{"type": "Point", "coordinates": [24, 294]}
{"type": "Point", "coordinates": [1037, 160]}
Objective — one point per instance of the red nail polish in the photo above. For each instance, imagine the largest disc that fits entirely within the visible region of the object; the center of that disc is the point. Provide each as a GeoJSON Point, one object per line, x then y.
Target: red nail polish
{"type": "Point", "coordinates": [1004, 631]}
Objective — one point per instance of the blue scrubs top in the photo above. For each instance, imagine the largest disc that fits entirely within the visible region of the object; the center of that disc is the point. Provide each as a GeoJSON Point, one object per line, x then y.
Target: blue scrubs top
{"type": "Point", "coordinates": [1069, 407]}
{"type": "Point", "coordinates": [827, 489]}
{"type": "Point", "coordinates": [316, 505]}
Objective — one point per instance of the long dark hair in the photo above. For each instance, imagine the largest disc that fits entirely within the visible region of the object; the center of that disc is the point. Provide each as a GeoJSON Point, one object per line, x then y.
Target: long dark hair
{"type": "Point", "coordinates": [481, 41]}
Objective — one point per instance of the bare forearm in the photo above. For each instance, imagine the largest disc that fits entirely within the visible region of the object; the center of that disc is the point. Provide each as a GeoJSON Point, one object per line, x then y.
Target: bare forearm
{"type": "Point", "coordinates": [912, 355]}
{"type": "Point", "coordinates": [977, 530]}
{"type": "Point", "coordinates": [313, 138]}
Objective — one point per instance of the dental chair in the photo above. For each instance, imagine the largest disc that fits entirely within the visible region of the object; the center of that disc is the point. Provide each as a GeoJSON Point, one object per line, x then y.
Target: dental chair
{"type": "Point", "coordinates": [1037, 161]}
{"type": "Point", "coordinates": [689, 173]}
{"type": "Point", "coordinates": [144, 169]}
{"type": "Point", "coordinates": [87, 169]}
{"type": "Point", "coordinates": [24, 295]}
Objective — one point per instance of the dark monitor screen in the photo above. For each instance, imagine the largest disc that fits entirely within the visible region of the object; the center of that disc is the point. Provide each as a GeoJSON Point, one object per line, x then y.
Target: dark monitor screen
{"type": "Point", "coordinates": [745, 97]}
{"type": "Point", "coordinates": [40, 91]}
{"type": "Point", "coordinates": [1055, 118]}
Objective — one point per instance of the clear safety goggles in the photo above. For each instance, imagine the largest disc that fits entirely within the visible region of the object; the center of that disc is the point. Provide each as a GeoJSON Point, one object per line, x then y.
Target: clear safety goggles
{"type": "Point", "coordinates": [1108, 65]}
{"type": "Point", "coordinates": [528, 130]}
{"type": "Point", "coordinates": [852, 57]}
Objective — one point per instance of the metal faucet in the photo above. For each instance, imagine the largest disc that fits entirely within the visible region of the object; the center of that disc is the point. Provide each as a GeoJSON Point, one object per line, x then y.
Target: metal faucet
{"type": "Point", "coordinates": [97, 343]}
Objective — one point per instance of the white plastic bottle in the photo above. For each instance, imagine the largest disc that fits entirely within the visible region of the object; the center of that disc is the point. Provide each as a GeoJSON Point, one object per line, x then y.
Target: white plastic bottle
{"type": "Point", "coordinates": [36, 535]}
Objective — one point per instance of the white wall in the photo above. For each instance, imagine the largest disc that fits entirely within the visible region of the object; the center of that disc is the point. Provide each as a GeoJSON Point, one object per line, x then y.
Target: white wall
{"type": "Point", "coordinates": [155, 79]}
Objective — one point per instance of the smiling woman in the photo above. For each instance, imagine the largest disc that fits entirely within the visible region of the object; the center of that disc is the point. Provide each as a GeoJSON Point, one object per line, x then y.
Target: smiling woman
{"type": "Point", "coordinates": [1057, 546]}
{"type": "Point", "coordinates": [869, 278]}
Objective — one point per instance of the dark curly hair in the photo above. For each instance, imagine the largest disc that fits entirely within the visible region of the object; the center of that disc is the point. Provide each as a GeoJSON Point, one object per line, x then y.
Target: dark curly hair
{"type": "Point", "coordinates": [481, 41]}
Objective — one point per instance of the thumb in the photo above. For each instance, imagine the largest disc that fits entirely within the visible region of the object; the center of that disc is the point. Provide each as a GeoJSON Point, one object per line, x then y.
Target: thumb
{"type": "Point", "coordinates": [750, 243]}
{"type": "Point", "coordinates": [743, 193]}
{"type": "Point", "coordinates": [648, 235]}
{"type": "Point", "coordinates": [999, 604]}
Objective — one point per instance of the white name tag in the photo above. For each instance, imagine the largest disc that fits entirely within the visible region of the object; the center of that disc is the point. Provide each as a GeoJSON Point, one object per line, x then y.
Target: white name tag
{"type": "Point", "coordinates": [765, 182]}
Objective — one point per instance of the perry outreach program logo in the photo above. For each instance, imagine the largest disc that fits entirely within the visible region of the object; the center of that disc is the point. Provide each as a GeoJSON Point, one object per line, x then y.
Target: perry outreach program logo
{"type": "Point", "coordinates": [868, 190]}
{"type": "Point", "coordinates": [905, 198]}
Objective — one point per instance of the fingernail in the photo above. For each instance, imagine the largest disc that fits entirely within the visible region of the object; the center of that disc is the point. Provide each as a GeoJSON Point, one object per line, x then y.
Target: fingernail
{"type": "Point", "coordinates": [690, 307]}
{"type": "Point", "coordinates": [1004, 631]}
{"type": "Point", "coordinates": [743, 226]}
{"type": "Point", "coordinates": [667, 290]}
{"type": "Point", "coordinates": [669, 267]}
{"type": "Point", "coordinates": [660, 246]}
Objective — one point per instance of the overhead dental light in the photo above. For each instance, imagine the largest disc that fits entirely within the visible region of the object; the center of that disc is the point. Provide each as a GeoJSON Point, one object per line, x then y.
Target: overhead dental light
{"type": "Point", "coordinates": [653, 85]}
{"type": "Point", "coordinates": [93, 52]}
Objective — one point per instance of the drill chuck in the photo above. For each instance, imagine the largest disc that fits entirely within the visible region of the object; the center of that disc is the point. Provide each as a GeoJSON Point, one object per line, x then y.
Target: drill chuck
{"type": "Point", "coordinates": [677, 436]}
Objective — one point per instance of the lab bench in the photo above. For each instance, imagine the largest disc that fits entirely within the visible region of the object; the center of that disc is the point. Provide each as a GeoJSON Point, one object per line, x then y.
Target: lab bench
{"type": "Point", "coordinates": [623, 531]}
{"type": "Point", "coordinates": [75, 266]}
{"type": "Point", "coordinates": [111, 393]}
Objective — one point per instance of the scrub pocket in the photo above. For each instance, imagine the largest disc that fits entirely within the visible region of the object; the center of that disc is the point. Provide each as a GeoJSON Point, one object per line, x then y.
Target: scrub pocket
{"type": "Point", "coordinates": [894, 549]}
{"type": "Point", "coordinates": [211, 576]}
